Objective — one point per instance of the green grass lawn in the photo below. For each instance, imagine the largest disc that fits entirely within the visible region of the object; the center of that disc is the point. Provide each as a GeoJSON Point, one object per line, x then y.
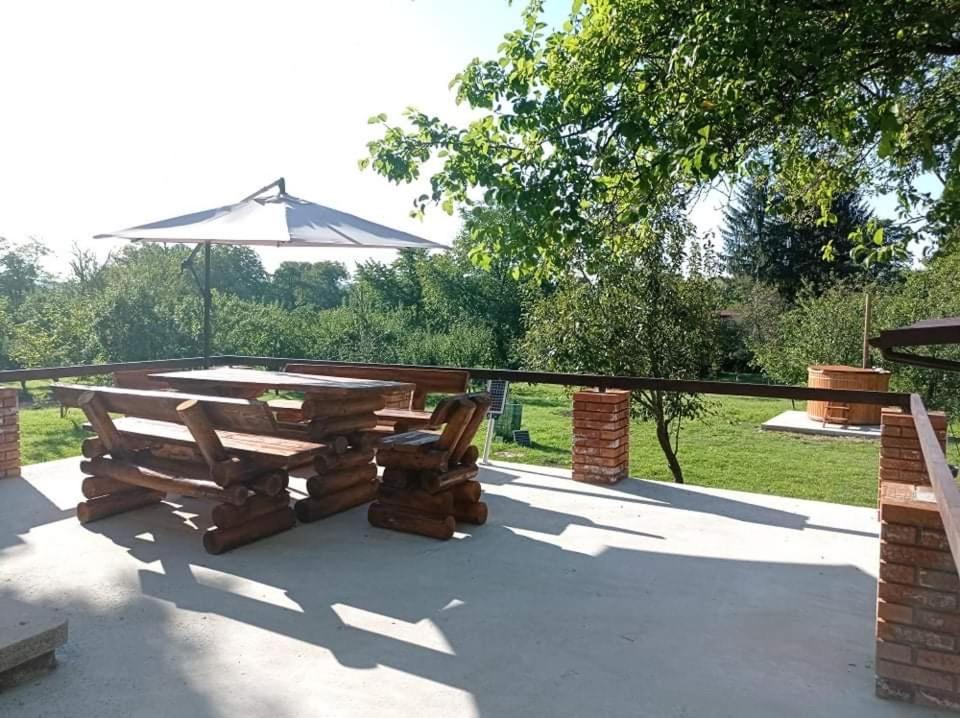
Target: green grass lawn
{"type": "Point", "coordinates": [724, 450]}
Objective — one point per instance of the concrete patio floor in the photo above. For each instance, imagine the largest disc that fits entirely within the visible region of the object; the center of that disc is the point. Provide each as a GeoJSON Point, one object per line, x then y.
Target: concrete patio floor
{"type": "Point", "coordinates": [644, 599]}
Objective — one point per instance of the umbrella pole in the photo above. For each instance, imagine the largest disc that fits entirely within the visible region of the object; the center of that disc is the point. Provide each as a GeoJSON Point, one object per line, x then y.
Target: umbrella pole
{"type": "Point", "coordinates": [206, 304]}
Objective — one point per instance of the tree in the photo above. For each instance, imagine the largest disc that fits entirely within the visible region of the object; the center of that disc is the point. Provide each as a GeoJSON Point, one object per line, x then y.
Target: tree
{"type": "Point", "coordinates": [392, 285]}
{"type": "Point", "coordinates": [85, 269]}
{"type": "Point", "coordinates": [315, 284]}
{"type": "Point", "coordinates": [55, 330]}
{"type": "Point", "coordinates": [824, 328]}
{"type": "Point", "coordinates": [21, 271]}
{"type": "Point", "coordinates": [649, 311]}
{"type": "Point", "coordinates": [770, 245]}
{"type": "Point", "coordinates": [634, 106]}
{"type": "Point", "coordinates": [6, 336]}
{"type": "Point", "coordinates": [238, 271]}
{"type": "Point", "coordinates": [148, 308]}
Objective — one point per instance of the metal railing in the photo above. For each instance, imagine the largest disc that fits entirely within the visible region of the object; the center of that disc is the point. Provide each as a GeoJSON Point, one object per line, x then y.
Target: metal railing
{"type": "Point", "coordinates": [941, 478]}
{"type": "Point", "coordinates": [60, 372]}
{"type": "Point", "coordinates": [601, 381]}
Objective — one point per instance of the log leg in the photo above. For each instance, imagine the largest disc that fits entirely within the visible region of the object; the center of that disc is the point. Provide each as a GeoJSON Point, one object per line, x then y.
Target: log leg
{"type": "Point", "coordinates": [103, 506]}
{"type": "Point", "coordinates": [417, 501]}
{"type": "Point", "coordinates": [475, 513]}
{"type": "Point", "coordinates": [312, 509]}
{"type": "Point", "coordinates": [466, 493]}
{"type": "Point", "coordinates": [94, 486]}
{"type": "Point", "coordinates": [219, 540]}
{"type": "Point", "coordinates": [331, 483]}
{"type": "Point", "coordinates": [226, 516]}
{"type": "Point", "coordinates": [390, 517]}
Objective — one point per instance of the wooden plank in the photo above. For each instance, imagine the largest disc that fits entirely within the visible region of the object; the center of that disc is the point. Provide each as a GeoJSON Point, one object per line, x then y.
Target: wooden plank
{"type": "Point", "coordinates": [138, 379]}
{"type": "Point", "coordinates": [165, 483]}
{"type": "Point", "coordinates": [195, 418]}
{"type": "Point", "coordinates": [102, 423]}
{"type": "Point", "coordinates": [318, 386]}
{"type": "Point", "coordinates": [290, 450]}
{"type": "Point", "coordinates": [223, 413]}
{"type": "Point", "coordinates": [410, 441]}
{"type": "Point", "coordinates": [941, 478]}
{"type": "Point", "coordinates": [411, 417]}
{"type": "Point", "coordinates": [457, 424]}
{"type": "Point", "coordinates": [482, 404]}
{"type": "Point", "coordinates": [426, 380]}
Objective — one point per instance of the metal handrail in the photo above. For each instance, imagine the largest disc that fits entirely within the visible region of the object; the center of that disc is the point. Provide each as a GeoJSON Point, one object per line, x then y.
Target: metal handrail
{"type": "Point", "coordinates": [601, 381]}
{"type": "Point", "coordinates": [941, 478]}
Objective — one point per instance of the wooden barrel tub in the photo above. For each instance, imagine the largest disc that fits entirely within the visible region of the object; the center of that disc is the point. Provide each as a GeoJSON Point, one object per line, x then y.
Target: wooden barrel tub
{"type": "Point", "coordinates": [826, 376]}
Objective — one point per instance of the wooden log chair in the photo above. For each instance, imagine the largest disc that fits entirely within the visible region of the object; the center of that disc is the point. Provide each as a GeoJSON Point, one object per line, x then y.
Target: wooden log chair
{"type": "Point", "coordinates": [221, 449]}
{"type": "Point", "coordinates": [399, 413]}
{"type": "Point", "coordinates": [429, 477]}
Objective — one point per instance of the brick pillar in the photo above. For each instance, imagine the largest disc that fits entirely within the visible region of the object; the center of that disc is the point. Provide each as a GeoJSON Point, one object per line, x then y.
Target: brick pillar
{"type": "Point", "coordinates": [918, 593]}
{"type": "Point", "coordinates": [601, 435]}
{"type": "Point", "coordinates": [900, 457]}
{"type": "Point", "coordinates": [9, 434]}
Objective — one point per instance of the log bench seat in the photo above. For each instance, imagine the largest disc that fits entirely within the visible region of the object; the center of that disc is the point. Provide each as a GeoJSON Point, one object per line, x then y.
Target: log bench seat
{"type": "Point", "coordinates": [230, 451]}
{"type": "Point", "coordinates": [429, 478]}
{"type": "Point", "coordinates": [274, 450]}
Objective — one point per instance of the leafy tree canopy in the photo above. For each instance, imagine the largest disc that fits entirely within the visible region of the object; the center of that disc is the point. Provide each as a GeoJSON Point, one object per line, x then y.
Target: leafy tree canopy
{"type": "Point", "coordinates": [652, 310]}
{"type": "Point", "coordinates": [316, 284]}
{"type": "Point", "coordinates": [765, 242]}
{"type": "Point", "coordinates": [20, 270]}
{"type": "Point", "coordinates": [635, 104]}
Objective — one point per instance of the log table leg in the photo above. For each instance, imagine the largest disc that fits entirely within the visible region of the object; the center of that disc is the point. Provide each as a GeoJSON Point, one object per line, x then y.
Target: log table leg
{"type": "Point", "coordinates": [348, 479]}
{"type": "Point", "coordinates": [218, 540]}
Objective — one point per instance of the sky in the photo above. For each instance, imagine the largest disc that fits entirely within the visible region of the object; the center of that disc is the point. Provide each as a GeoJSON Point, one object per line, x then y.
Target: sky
{"type": "Point", "coordinates": [120, 113]}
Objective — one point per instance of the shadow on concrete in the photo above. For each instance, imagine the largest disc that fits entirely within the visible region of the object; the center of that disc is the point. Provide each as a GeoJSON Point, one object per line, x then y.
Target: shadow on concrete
{"type": "Point", "coordinates": [523, 625]}
{"type": "Point", "coordinates": [665, 494]}
{"type": "Point", "coordinates": [22, 508]}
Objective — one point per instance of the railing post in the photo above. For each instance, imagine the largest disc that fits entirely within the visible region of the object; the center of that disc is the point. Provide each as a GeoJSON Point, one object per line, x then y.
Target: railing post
{"type": "Point", "coordinates": [9, 434]}
{"type": "Point", "coordinates": [601, 435]}
{"type": "Point", "coordinates": [918, 592]}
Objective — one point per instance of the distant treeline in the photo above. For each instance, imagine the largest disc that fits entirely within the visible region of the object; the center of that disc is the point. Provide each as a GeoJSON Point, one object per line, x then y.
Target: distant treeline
{"type": "Point", "coordinates": [139, 304]}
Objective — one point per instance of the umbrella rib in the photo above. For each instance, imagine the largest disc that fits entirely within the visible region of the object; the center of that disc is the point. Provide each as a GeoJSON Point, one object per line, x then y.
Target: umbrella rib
{"type": "Point", "coordinates": [349, 239]}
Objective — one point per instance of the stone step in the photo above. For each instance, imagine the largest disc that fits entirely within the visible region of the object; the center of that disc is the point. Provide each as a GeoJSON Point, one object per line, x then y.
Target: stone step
{"type": "Point", "coordinates": [28, 637]}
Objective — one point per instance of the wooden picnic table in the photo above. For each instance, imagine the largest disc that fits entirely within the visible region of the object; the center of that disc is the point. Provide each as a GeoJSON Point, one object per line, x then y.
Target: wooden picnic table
{"type": "Point", "coordinates": [251, 383]}
{"type": "Point", "coordinates": [338, 411]}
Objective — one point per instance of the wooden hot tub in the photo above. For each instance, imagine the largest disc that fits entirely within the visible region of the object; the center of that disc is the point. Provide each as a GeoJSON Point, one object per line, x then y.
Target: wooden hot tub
{"type": "Point", "coordinates": [826, 376]}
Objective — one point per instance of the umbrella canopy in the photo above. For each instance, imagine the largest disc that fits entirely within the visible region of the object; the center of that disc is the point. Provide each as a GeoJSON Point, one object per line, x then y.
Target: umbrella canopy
{"type": "Point", "coordinates": [271, 217]}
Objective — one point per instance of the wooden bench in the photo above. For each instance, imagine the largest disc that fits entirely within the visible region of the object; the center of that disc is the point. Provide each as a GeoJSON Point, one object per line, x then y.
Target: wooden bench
{"type": "Point", "coordinates": [429, 478]}
{"type": "Point", "coordinates": [396, 416]}
{"type": "Point", "coordinates": [138, 379]}
{"type": "Point", "coordinates": [222, 449]}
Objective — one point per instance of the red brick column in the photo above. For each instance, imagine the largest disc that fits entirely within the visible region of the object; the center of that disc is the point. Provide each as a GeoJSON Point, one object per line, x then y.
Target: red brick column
{"type": "Point", "coordinates": [918, 593]}
{"type": "Point", "coordinates": [601, 435]}
{"type": "Point", "coordinates": [900, 457]}
{"type": "Point", "coordinates": [9, 434]}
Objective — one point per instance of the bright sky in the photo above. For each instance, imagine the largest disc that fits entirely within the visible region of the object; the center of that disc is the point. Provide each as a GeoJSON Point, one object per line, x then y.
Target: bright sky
{"type": "Point", "coordinates": [117, 113]}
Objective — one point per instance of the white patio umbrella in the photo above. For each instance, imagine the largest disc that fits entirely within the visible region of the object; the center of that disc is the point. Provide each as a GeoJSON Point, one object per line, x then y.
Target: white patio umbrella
{"type": "Point", "coordinates": [269, 217]}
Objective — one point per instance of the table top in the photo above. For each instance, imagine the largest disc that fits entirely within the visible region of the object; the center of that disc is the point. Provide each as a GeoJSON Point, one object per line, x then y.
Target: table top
{"type": "Point", "coordinates": [260, 380]}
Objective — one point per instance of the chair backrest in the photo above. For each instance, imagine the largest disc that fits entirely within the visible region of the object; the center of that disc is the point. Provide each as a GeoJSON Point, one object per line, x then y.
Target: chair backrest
{"type": "Point", "coordinates": [138, 379]}
{"type": "Point", "coordinates": [242, 415]}
{"type": "Point", "coordinates": [427, 381]}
